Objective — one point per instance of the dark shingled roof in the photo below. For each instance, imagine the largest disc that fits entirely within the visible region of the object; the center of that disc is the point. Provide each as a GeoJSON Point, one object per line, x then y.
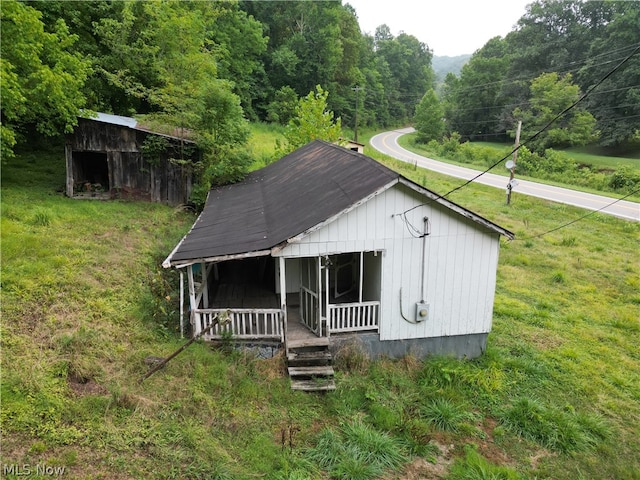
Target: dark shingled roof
{"type": "Point", "coordinates": [287, 198]}
{"type": "Point", "coordinates": [282, 200]}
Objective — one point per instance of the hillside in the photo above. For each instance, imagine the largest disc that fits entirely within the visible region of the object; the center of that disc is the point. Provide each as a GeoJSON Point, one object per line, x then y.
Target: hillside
{"type": "Point", "coordinates": [444, 65]}
{"type": "Point", "coordinates": [85, 301]}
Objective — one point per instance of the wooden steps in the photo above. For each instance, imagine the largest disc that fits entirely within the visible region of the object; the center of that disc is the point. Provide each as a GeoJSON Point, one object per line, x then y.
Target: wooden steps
{"type": "Point", "coordinates": [312, 372]}
{"type": "Point", "coordinates": [309, 359]}
{"type": "Point", "coordinates": [313, 385]}
{"type": "Point", "coordinates": [308, 343]}
{"type": "Point", "coordinates": [309, 365]}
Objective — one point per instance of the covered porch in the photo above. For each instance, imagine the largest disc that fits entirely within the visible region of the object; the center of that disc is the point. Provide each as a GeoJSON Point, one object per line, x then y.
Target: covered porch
{"type": "Point", "coordinates": [283, 300]}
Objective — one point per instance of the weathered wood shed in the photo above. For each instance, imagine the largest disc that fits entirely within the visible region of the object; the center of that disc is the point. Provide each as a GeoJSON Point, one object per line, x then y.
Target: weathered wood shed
{"type": "Point", "coordinates": [332, 240]}
{"type": "Point", "coordinates": [110, 156]}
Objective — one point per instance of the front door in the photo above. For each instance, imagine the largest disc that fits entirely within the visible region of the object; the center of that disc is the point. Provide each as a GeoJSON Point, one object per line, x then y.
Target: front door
{"type": "Point", "coordinates": [311, 294]}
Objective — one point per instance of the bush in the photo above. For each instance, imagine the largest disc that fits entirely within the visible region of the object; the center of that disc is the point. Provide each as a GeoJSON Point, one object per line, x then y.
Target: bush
{"type": "Point", "coordinates": [450, 146]}
{"type": "Point", "coordinates": [625, 179]}
{"type": "Point", "coordinates": [352, 357]}
{"type": "Point", "coordinates": [466, 153]}
{"type": "Point", "coordinates": [41, 218]}
{"type": "Point", "coordinates": [551, 165]}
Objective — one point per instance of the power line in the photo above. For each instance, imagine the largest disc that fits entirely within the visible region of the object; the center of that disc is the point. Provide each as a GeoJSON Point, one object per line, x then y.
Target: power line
{"type": "Point", "coordinates": [553, 120]}
{"type": "Point", "coordinates": [579, 218]}
{"type": "Point", "coordinates": [559, 69]}
{"type": "Point", "coordinates": [534, 136]}
{"type": "Point", "coordinates": [511, 105]}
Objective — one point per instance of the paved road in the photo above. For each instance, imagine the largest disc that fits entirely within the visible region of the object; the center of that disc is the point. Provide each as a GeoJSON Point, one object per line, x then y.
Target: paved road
{"type": "Point", "coordinates": [387, 143]}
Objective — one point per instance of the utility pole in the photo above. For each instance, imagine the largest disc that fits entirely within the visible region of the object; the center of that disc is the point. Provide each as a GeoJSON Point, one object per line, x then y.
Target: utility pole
{"type": "Point", "coordinates": [513, 163]}
{"type": "Point", "coordinates": [356, 89]}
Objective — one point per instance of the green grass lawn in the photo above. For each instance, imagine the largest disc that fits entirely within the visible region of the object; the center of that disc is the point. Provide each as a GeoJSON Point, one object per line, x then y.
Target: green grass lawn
{"type": "Point", "coordinates": [598, 161]}
{"type": "Point", "coordinates": [592, 156]}
{"type": "Point", "coordinates": [262, 142]}
{"type": "Point", "coordinates": [85, 301]}
{"type": "Point", "coordinates": [487, 153]}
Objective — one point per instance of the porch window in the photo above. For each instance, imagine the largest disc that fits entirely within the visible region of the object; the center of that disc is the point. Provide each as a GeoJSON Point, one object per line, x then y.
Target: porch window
{"type": "Point", "coordinates": [353, 282]}
{"type": "Point", "coordinates": [341, 292]}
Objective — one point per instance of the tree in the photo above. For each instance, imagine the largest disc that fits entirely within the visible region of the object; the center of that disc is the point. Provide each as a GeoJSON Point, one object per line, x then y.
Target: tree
{"type": "Point", "coordinates": [550, 95]}
{"type": "Point", "coordinates": [305, 45]}
{"type": "Point", "coordinates": [42, 77]}
{"type": "Point", "coordinates": [405, 63]}
{"type": "Point", "coordinates": [552, 34]}
{"type": "Point", "coordinates": [240, 45]}
{"type": "Point", "coordinates": [474, 101]}
{"type": "Point", "coordinates": [569, 36]}
{"type": "Point", "coordinates": [587, 37]}
{"type": "Point", "coordinates": [168, 60]}
{"type": "Point", "coordinates": [428, 119]}
{"type": "Point", "coordinates": [80, 18]}
{"type": "Point", "coordinates": [221, 134]}
{"type": "Point", "coordinates": [616, 102]}
{"type": "Point", "coordinates": [283, 107]}
{"type": "Point", "coordinates": [312, 121]}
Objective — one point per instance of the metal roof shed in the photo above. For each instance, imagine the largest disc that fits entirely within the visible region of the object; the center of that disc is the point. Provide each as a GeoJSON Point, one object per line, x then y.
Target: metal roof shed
{"type": "Point", "coordinates": [105, 159]}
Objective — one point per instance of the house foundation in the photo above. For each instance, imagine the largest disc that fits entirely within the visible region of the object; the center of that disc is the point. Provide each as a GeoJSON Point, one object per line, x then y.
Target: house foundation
{"type": "Point", "coordinates": [459, 346]}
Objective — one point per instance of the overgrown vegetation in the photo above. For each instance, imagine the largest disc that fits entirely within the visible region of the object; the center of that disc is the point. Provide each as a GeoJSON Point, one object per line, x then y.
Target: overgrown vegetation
{"type": "Point", "coordinates": [311, 120]}
{"type": "Point", "coordinates": [616, 175]}
{"type": "Point", "coordinates": [85, 301]}
{"type": "Point", "coordinates": [540, 68]}
{"type": "Point", "coordinates": [205, 68]}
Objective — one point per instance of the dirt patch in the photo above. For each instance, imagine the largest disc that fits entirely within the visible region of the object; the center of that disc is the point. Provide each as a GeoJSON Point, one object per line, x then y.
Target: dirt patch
{"type": "Point", "coordinates": [421, 469]}
{"type": "Point", "coordinates": [545, 341]}
{"type": "Point", "coordinates": [537, 456]}
{"type": "Point", "coordinates": [487, 446]}
{"type": "Point", "coordinates": [128, 193]}
{"type": "Point", "coordinates": [83, 386]}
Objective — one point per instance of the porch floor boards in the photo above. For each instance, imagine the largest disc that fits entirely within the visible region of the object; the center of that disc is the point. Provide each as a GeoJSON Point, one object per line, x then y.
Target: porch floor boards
{"type": "Point", "coordinates": [233, 295]}
{"type": "Point", "coordinates": [299, 336]}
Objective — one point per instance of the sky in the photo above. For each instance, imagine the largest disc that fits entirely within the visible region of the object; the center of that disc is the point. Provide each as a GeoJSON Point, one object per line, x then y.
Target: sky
{"type": "Point", "coordinates": [447, 27]}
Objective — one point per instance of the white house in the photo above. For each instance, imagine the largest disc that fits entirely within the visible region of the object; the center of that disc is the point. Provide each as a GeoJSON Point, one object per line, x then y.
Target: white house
{"type": "Point", "coordinates": [331, 239]}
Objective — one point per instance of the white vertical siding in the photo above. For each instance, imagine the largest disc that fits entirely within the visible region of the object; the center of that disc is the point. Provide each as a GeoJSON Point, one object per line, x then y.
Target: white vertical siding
{"type": "Point", "coordinates": [460, 262]}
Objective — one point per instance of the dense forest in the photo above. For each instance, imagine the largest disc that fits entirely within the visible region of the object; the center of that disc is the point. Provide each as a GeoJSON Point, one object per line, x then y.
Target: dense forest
{"type": "Point", "coordinates": [213, 66]}
{"type": "Point", "coordinates": [557, 52]}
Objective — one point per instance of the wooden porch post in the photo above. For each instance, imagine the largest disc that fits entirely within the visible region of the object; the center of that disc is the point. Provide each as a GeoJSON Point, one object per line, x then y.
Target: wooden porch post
{"type": "Point", "coordinates": [205, 284]}
{"type": "Point", "coordinates": [326, 293]}
{"type": "Point", "coordinates": [319, 313]}
{"type": "Point", "coordinates": [181, 304]}
{"type": "Point", "coordinates": [361, 279]}
{"type": "Point", "coordinates": [195, 320]}
{"type": "Point", "coordinates": [283, 291]}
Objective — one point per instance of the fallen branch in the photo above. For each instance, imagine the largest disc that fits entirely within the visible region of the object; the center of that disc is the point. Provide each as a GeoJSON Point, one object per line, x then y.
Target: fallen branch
{"type": "Point", "coordinates": [214, 321]}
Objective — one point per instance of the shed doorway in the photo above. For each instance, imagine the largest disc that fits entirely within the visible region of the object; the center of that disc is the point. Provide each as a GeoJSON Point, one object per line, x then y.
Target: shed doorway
{"type": "Point", "coordinates": [90, 173]}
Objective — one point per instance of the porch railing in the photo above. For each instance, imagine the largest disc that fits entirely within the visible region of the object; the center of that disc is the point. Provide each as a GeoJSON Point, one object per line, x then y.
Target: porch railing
{"type": "Point", "coordinates": [244, 323]}
{"type": "Point", "coordinates": [353, 317]}
{"type": "Point", "coordinates": [309, 310]}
